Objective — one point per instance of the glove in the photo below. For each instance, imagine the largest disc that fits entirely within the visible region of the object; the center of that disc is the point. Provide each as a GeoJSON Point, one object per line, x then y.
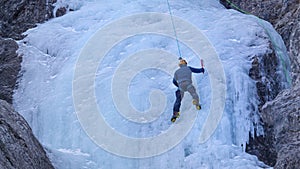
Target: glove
{"type": "Point", "coordinates": [203, 70]}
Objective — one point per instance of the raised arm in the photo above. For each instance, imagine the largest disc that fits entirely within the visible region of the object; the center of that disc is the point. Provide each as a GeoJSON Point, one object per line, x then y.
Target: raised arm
{"type": "Point", "coordinates": [197, 70]}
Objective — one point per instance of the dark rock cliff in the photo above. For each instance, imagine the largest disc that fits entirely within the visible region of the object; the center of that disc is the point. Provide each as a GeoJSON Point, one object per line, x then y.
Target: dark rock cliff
{"type": "Point", "coordinates": [18, 146]}
{"type": "Point", "coordinates": [282, 122]}
{"type": "Point", "coordinates": [280, 146]}
{"type": "Point", "coordinates": [9, 68]}
{"type": "Point", "coordinates": [17, 16]}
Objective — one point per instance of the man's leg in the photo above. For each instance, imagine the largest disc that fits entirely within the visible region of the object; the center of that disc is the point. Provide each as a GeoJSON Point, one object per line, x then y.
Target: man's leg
{"type": "Point", "coordinates": [177, 103]}
{"type": "Point", "coordinates": [179, 95]}
{"type": "Point", "coordinates": [191, 89]}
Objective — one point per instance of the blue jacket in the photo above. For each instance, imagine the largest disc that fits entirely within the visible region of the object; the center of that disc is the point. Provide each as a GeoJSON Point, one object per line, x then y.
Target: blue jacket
{"type": "Point", "coordinates": [184, 73]}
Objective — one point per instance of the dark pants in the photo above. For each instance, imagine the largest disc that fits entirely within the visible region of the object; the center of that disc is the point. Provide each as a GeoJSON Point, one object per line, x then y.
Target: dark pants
{"type": "Point", "coordinates": [177, 103]}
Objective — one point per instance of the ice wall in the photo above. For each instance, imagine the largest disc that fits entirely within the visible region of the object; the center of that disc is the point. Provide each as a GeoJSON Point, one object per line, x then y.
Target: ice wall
{"type": "Point", "coordinates": [51, 51]}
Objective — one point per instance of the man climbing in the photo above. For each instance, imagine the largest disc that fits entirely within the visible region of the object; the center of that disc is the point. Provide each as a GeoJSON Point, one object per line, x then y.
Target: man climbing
{"type": "Point", "coordinates": [183, 80]}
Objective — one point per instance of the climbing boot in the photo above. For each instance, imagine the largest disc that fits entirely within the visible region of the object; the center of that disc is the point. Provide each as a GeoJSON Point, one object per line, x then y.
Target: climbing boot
{"type": "Point", "coordinates": [175, 116]}
{"type": "Point", "coordinates": [196, 103]}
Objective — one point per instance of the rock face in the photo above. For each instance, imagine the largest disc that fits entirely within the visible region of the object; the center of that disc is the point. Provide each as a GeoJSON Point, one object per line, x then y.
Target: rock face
{"type": "Point", "coordinates": [9, 68]}
{"type": "Point", "coordinates": [282, 119]}
{"type": "Point", "coordinates": [19, 15]}
{"type": "Point", "coordinates": [18, 146]}
{"type": "Point", "coordinates": [280, 146]}
{"type": "Point", "coordinates": [268, 82]}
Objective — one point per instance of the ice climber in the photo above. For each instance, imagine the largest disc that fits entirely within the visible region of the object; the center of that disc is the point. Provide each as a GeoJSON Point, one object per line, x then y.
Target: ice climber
{"type": "Point", "coordinates": [183, 80]}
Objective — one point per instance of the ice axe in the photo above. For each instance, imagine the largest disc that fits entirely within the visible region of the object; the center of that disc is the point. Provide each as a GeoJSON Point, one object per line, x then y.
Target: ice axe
{"type": "Point", "coordinates": [202, 64]}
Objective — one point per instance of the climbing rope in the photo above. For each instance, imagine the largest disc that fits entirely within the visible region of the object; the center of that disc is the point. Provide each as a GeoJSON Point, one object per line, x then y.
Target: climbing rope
{"type": "Point", "coordinates": [283, 63]}
{"type": "Point", "coordinates": [175, 33]}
